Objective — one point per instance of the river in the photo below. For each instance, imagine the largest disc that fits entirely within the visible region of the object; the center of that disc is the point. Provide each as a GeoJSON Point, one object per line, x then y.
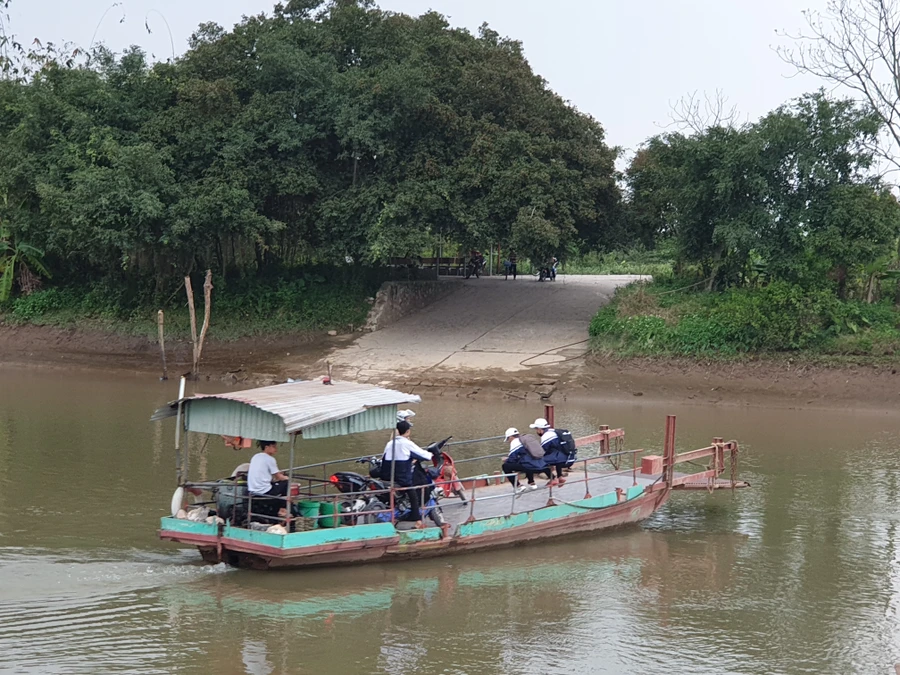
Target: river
{"type": "Point", "coordinates": [798, 574]}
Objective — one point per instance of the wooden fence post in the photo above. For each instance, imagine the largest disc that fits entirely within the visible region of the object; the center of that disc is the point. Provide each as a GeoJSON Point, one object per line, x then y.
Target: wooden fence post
{"type": "Point", "coordinates": [162, 344]}
{"type": "Point", "coordinates": [207, 307]}
{"type": "Point", "coordinates": [207, 298]}
{"type": "Point", "coordinates": [190, 297]}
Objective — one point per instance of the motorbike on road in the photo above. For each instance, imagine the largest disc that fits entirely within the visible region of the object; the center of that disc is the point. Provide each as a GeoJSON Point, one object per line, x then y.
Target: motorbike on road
{"type": "Point", "coordinates": [548, 271]}
{"type": "Point", "coordinates": [475, 266]}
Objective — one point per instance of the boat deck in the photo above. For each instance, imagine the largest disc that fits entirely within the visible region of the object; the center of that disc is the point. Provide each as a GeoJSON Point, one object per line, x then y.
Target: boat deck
{"type": "Point", "coordinates": [497, 500]}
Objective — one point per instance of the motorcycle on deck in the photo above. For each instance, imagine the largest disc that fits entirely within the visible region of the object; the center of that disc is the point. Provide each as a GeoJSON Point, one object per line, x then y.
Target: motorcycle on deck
{"type": "Point", "coordinates": [424, 479]}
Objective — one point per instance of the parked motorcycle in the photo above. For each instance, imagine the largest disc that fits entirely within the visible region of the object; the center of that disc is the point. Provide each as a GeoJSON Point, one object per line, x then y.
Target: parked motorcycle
{"type": "Point", "coordinates": [548, 271]}
{"type": "Point", "coordinates": [475, 266]}
{"type": "Point", "coordinates": [424, 479]}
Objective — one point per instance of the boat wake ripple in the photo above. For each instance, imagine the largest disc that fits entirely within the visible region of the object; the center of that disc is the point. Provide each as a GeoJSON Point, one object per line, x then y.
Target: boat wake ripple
{"type": "Point", "coordinates": [77, 612]}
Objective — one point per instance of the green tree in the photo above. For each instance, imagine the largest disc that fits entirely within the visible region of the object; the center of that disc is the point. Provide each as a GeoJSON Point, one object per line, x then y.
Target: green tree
{"type": "Point", "coordinates": [792, 194]}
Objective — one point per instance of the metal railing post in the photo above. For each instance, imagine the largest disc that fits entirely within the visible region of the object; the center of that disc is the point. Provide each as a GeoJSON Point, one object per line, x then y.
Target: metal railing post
{"type": "Point", "coordinates": [587, 485]}
{"type": "Point", "coordinates": [471, 517]}
{"type": "Point", "coordinates": [287, 498]}
{"type": "Point", "coordinates": [179, 461]}
{"type": "Point", "coordinates": [634, 467]}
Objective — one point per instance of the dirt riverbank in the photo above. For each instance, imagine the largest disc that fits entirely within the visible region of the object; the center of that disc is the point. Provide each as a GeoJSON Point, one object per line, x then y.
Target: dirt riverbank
{"type": "Point", "coordinates": [255, 361]}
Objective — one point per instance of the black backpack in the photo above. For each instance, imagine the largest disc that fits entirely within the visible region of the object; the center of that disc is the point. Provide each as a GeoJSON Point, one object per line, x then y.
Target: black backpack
{"type": "Point", "coordinates": [567, 441]}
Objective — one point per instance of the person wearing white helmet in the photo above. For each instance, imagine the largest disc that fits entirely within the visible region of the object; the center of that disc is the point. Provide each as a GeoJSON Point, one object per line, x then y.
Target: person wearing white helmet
{"type": "Point", "coordinates": [405, 416]}
{"type": "Point", "coordinates": [520, 460]}
{"type": "Point", "coordinates": [554, 454]}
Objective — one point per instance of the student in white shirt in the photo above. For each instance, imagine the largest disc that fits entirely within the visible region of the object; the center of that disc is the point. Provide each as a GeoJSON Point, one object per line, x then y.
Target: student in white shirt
{"type": "Point", "coordinates": [399, 453]}
{"type": "Point", "coordinates": [520, 460]}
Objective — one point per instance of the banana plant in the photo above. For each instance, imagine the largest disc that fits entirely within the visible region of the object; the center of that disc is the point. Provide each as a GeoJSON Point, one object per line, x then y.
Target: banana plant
{"type": "Point", "coordinates": [18, 260]}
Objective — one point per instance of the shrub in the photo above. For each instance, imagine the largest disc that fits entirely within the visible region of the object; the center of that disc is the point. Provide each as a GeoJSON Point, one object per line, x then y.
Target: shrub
{"type": "Point", "coordinates": [775, 318]}
{"type": "Point", "coordinates": [241, 307]}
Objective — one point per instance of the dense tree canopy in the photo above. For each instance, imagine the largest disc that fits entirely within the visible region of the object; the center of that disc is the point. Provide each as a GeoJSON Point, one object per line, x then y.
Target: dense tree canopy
{"type": "Point", "coordinates": [317, 132]}
{"type": "Point", "coordinates": [791, 196]}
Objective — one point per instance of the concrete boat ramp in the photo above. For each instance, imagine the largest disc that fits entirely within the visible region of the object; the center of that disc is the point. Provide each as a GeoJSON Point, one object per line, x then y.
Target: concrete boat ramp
{"type": "Point", "coordinates": [486, 325]}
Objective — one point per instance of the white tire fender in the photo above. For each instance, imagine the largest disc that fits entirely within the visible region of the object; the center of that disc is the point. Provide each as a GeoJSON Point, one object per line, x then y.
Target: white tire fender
{"type": "Point", "coordinates": [177, 500]}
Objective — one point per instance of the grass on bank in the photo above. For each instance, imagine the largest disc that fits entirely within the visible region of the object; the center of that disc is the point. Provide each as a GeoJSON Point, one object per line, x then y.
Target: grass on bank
{"type": "Point", "coordinates": [655, 263]}
{"type": "Point", "coordinates": [240, 308]}
{"type": "Point", "coordinates": [663, 318]}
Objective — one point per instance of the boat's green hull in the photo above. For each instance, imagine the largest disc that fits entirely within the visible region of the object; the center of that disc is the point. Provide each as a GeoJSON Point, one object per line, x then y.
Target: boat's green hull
{"type": "Point", "coordinates": [381, 541]}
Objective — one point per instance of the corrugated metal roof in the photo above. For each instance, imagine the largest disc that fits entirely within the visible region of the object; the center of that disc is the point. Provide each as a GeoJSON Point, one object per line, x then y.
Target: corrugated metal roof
{"type": "Point", "coordinates": [299, 405]}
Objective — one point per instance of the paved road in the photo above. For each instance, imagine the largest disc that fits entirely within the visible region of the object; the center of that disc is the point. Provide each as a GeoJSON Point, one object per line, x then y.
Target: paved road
{"type": "Point", "coordinates": [488, 324]}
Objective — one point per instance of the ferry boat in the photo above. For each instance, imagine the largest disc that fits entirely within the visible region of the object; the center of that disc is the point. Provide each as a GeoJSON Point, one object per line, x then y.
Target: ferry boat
{"type": "Point", "coordinates": [320, 524]}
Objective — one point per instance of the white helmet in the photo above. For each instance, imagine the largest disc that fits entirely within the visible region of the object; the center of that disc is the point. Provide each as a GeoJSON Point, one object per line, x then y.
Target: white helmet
{"type": "Point", "coordinates": [404, 415]}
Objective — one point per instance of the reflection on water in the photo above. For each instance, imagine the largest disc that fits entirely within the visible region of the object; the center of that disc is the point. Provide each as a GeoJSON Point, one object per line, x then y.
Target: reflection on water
{"type": "Point", "coordinates": [799, 574]}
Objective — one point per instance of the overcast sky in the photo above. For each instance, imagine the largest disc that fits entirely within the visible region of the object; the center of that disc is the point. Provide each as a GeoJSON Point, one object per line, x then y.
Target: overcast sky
{"type": "Point", "coordinates": [623, 61]}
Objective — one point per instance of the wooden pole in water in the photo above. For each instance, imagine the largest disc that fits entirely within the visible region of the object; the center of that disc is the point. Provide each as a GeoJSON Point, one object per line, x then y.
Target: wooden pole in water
{"type": "Point", "coordinates": [162, 344]}
{"type": "Point", "coordinates": [190, 296]}
{"type": "Point", "coordinates": [669, 449]}
{"type": "Point", "coordinates": [207, 307]}
{"type": "Point", "coordinates": [207, 298]}
{"type": "Point", "coordinates": [548, 414]}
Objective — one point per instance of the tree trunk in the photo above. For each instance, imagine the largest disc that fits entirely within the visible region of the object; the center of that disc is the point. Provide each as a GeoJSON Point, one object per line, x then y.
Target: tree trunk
{"type": "Point", "coordinates": [841, 274]}
{"type": "Point", "coordinates": [260, 259]}
{"type": "Point", "coordinates": [717, 264]}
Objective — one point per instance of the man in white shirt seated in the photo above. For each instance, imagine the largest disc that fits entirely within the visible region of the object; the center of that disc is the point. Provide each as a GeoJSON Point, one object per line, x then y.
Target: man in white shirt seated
{"type": "Point", "coordinates": [399, 453]}
{"type": "Point", "coordinates": [264, 478]}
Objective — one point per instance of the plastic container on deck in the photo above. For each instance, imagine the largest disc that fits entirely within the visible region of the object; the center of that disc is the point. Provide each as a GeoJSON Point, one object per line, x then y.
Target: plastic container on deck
{"type": "Point", "coordinates": [309, 509]}
{"type": "Point", "coordinates": [332, 510]}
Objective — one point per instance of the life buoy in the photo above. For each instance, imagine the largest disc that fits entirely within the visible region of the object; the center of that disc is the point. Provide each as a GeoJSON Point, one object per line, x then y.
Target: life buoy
{"type": "Point", "coordinates": [177, 500]}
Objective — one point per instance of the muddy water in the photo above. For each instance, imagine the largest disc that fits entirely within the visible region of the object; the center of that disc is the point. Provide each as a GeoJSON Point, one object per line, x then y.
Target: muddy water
{"type": "Point", "coordinates": [800, 574]}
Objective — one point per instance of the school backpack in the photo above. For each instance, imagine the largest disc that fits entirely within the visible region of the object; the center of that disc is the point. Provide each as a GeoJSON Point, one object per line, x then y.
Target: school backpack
{"type": "Point", "coordinates": [533, 445]}
{"type": "Point", "coordinates": [567, 441]}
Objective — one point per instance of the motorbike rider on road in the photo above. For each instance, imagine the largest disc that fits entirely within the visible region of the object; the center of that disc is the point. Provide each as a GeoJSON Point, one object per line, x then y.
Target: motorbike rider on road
{"type": "Point", "coordinates": [397, 458]}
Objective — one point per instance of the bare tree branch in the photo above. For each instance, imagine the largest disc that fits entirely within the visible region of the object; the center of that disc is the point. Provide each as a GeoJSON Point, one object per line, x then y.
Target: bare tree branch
{"type": "Point", "coordinates": [697, 113]}
{"type": "Point", "coordinates": [856, 44]}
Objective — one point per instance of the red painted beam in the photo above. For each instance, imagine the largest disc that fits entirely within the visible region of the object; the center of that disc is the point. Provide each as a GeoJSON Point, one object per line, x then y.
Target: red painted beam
{"type": "Point", "coordinates": [596, 438]}
{"type": "Point", "coordinates": [694, 477]}
{"type": "Point", "coordinates": [695, 454]}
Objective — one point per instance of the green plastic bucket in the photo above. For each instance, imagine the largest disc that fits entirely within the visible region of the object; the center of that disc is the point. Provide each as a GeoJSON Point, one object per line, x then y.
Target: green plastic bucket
{"type": "Point", "coordinates": [332, 510]}
{"type": "Point", "coordinates": [309, 509]}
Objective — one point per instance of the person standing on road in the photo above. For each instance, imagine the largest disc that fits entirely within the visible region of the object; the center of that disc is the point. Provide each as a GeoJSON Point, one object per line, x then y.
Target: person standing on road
{"type": "Point", "coordinates": [513, 262]}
